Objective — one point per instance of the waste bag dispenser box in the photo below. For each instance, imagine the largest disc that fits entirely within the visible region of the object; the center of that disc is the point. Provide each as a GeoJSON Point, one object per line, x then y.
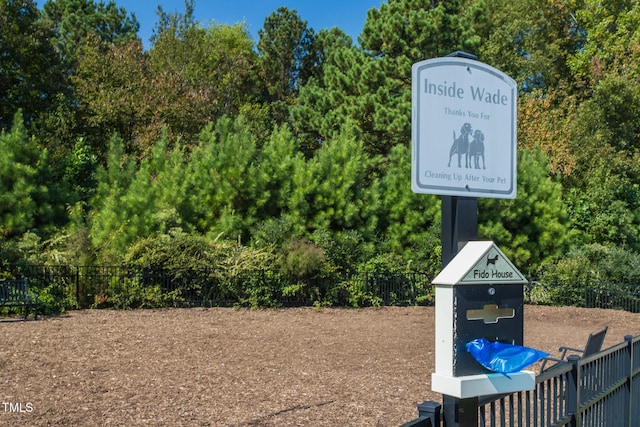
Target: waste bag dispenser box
{"type": "Point", "coordinates": [479, 294]}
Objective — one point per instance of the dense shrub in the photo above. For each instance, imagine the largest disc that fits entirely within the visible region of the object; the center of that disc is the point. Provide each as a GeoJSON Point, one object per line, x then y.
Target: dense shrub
{"type": "Point", "coordinates": [596, 262]}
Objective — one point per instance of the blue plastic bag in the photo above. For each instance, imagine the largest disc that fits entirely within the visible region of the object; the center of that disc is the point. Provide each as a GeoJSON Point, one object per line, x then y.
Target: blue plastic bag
{"type": "Point", "coordinates": [503, 358]}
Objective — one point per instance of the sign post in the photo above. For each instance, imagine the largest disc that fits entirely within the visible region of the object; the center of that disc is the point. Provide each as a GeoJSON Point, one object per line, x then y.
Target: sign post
{"type": "Point", "coordinates": [463, 147]}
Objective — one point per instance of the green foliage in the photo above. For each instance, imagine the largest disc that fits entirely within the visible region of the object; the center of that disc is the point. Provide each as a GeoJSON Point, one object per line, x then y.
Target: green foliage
{"type": "Point", "coordinates": [369, 88]}
{"type": "Point", "coordinates": [612, 28]}
{"type": "Point", "coordinates": [344, 250]}
{"type": "Point", "coordinates": [199, 74]}
{"type": "Point", "coordinates": [420, 30]}
{"type": "Point", "coordinates": [305, 267]}
{"type": "Point", "coordinates": [80, 171]}
{"type": "Point", "coordinates": [326, 190]}
{"type": "Point", "coordinates": [24, 198]}
{"type": "Point", "coordinates": [303, 259]}
{"type": "Point", "coordinates": [597, 263]}
{"type": "Point", "coordinates": [75, 19]}
{"type": "Point", "coordinates": [277, 160]}
{"type": "Point", "coordinates": [328, 103]}
{"type": "Point", "coordinates": [173, 250]}
{"type": "Point", "coordinates": [32, 74]}
{"type": "Point", "coordinates": [9, 254]}
{"type": "Point", "coordinates": [604, 212]}
{"type": "Point", "coordinates": [261, 290]}
{"type": "Point", "coordinates": [170, 157]}
{"type": "Point", "coordinates": [607, 121]}
{"type": "Point", "coordinates": [131, 203]}
{"type": "Point", "coordinates": [233, 272]}
{"type": "Point", "coordinates": [112, 87]}
{"type": "Point", "coordinates": [410, 222]}
{"type": "Point", "coordinates": [273, 233]}
{"type": "Point", "coordinates": [84, 35]}
{"type": "Point", "coordinates": [221, 180]}
{"type": "Point", "coordinates": [125, 293]}
{"type": "Point", "coordinates": [604, 190]}
{"type": "Point", "coordinates": [287, 57]}
{"type": "Point", "coordinates": [387, 262]}
{"type": "Point", "coordinates": [533, 228]}
{"type": "Point", "coordinates": [54, 299]}
{"type": "Point", "coordinates": [354, 293]}
{"type": "Point", "coordinates": [533, 48]}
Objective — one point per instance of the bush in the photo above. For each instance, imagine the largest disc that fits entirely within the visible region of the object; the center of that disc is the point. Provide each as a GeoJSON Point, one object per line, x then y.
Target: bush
{"type": "Point", "coordinates": [126, 293]}
{"type": "Point", "coordinates": [597, 263]}
{"type": "Point", "coordinates": [54, 299]}
{"type": "Point", "coordinates": [357, 296]}
{"type": "Point", "coordinates": [219, 271]}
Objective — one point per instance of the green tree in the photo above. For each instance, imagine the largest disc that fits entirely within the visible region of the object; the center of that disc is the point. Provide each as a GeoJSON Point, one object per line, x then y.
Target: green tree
{"type": "Point", "coordinates": [238, 188]}
{"type": "Point", "coordinates": [413, 30]}
{"type": "Point", "coordinates": [73, 23]}
{"type": "Point", "coordinates": [604, 189]}
{"type": "Point", "coordinates": [332, 98]}
{"type": "Point", "coordinates": [112, 88]}
{"type": "Point", "coordinates": [74, 20]}
{"type": "Point", "coordinates": [612, 30]}
{"type": "Point", "coordinates": [80, 170]}
{"type": "Point", "coordinates": [596, 263]}
{"type": "Point", "coordinates": [287, 57]}
{"type": "Point", "coordinates": [533, 48]}
{"type": "Point", "coordinates": [286, 51]}
{"type": "Point", "coordinates": [409, 223]}
{"type": "Point", "coordinates": [606, 209]}
{"type": "Point", "coordinates": [134, 202]}
{"type": "Point", "coordinates": [24, 197]}
{"type": "Point", "coordinates": [201, 73]}
{"type": "Point", "coordinates": [544, 122]}
{"type": "Point", "coordinates": [220, 179]}
{"type": "Point", "coordinates": [576, 62]}
{"type": "Point", "coordinates": [328, 191]}
{"type": "Point", "coordinates": [174, 24]}
{"type": "Point", "coordinates": [277, 160]}
{"type": "Point", "coordinates": [32, 75]}
{"type": "Point", "coordinates": [113, 179]}
{"type": "Point", "coordinates": [395, 36]}
{"type": "Point", "coordinates": [607, 123]}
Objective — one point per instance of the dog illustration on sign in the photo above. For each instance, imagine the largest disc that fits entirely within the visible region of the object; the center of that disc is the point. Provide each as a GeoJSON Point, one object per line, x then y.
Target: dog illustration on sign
{"type": "Point", "coordinates": [492, 261]}
{"type": "Point", "coordinates": [476, 150]}
{"type": "Point", "coordinates": [461, 146]}
{"type": "Point", "coordinates": [472, 150]}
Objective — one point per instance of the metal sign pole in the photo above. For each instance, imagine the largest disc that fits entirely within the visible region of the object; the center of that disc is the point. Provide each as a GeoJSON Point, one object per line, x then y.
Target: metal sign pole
{"type": "Point", "coordinates": [460, 412]}
{"type": "Point", "coordinates": [459, 226]}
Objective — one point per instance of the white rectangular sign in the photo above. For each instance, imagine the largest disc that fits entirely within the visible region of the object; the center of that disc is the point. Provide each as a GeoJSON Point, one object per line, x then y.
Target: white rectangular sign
{"type": "Point", "coordinates": [464, 129]}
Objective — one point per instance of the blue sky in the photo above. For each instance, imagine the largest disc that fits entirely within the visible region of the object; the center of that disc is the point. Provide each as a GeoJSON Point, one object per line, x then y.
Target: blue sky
{"type": "Point", "coordinates": [349, 15]}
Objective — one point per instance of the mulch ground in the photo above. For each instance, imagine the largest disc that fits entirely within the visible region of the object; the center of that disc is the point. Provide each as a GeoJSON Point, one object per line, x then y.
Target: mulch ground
{"type": "Point", "coordinates": [227, 367]}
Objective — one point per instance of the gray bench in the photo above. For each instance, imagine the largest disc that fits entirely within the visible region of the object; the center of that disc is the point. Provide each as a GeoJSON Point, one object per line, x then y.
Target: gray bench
{"type": "Point", "coordinates": [16, 293]}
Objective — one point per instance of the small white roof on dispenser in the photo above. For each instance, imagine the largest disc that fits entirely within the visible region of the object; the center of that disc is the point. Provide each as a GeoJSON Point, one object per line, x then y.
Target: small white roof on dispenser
{"type": "Point", "coordinates": [479, 262]}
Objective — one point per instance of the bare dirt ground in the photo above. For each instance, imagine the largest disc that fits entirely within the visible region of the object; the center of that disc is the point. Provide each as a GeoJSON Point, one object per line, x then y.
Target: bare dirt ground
{"type": "Point", "coordinates": [226, 367]}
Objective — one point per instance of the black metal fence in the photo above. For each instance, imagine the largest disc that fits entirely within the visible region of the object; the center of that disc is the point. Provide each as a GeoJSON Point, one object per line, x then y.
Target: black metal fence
{"type": "Point", "coordinates": [584, 293]}
{"type": "Point", "coordinates": [123, 286]}
{"type": "Point", "coordinates": [602, 390]}
{"type": "Point", "coordinates": [596, 391]}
